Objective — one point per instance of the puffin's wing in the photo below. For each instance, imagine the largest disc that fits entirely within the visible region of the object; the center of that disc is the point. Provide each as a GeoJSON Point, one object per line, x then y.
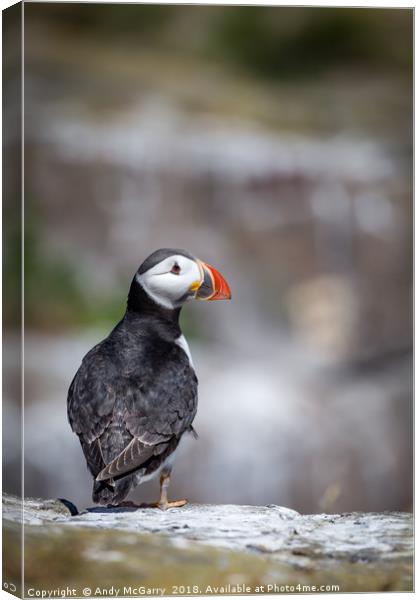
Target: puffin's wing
{"type": "Point", "coordinates": [164, 405]}
{"type": "Point", "coordinates": [159, 409]}
{"type": "Point", "coordinates": [90, 404]}
{"type": "Point", "coordinates": [133, 456]}
{"type": "Point", "coordinates": [91, 397]}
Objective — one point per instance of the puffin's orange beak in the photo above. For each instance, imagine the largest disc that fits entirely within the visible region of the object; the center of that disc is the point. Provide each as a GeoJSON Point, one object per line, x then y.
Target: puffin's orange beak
{"type": "Point", "coordinates": [213, 286]}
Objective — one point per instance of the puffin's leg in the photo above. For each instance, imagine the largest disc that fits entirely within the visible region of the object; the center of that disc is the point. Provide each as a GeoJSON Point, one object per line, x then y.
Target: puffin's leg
{"type": "Point", "coordinates": [163, 503]}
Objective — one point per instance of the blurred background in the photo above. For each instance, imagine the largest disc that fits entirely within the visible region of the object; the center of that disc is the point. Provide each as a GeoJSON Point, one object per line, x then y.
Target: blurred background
{"type": "Point", "coordinates": [274, 143]}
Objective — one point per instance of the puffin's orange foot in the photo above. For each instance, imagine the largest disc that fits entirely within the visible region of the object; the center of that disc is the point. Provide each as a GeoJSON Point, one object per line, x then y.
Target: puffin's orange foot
{"type": "Point", "coordinates": [164, 505]}
{"type": "Point", "coordinates": [173, 504]}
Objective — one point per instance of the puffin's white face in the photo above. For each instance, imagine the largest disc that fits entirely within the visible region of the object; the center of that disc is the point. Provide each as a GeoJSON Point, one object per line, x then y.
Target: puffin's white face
{"type": "Point", "coordinates": [172, 281]}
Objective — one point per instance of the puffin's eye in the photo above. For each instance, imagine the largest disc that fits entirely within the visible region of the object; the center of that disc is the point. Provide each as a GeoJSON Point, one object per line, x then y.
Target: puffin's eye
{"type": "Point", "coordinates": [176, 269]}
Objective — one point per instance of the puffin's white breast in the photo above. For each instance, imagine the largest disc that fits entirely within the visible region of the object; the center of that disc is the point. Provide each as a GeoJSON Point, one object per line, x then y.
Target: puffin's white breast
{"type": "Point", "coordinates": [182, 343]}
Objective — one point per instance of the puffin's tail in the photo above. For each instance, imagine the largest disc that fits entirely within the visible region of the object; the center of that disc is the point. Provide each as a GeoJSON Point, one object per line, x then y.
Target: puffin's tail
{"type": "Point", "coordinates": [105, 493]}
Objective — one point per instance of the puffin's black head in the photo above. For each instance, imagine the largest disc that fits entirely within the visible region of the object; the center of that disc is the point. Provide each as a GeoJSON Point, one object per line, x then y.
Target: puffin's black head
{"type": "Point", "coordinates": [170, 277]}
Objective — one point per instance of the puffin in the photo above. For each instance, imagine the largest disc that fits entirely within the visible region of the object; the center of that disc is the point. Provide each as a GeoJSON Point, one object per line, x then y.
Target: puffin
{"type": "Point", "coordinates": [135, 394]}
